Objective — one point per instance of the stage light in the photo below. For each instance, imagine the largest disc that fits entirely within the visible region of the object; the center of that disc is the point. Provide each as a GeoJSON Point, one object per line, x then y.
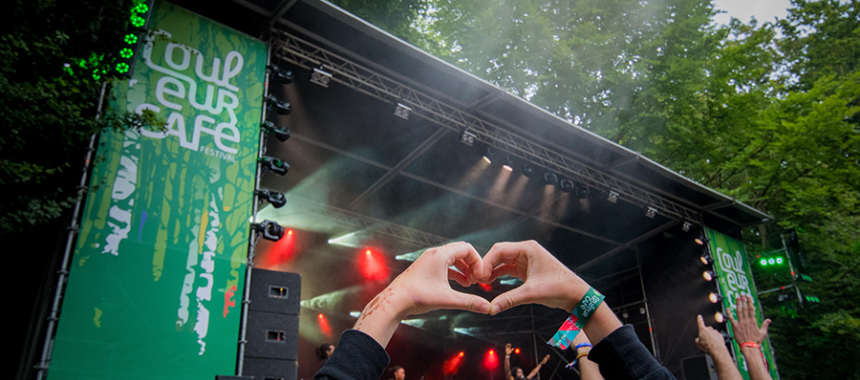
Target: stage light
{"type": "Point", "coordinates": [283, 108]}
{"type": "Point", "coordinates": [320, 77]}
{"type": "Point", "coordinates": [451, 365]}
{"type": "Point", "coordinates": [714, 297]}
{"type": "Point", "coordinates": [517, 350]}
{"type": "Point", "coordinates": [402, 111]}
{"type": "Point", "coordinates": [372, 265]}
{"type": "Point", "coordinates": [491, 361]}
{"type": "Point", "coordinates": [613, 197]}
{"type": "Point", "coordinates": [706, 258]}
{"type": "Point", "coordinates": [509, 163]}
{"type": "Point", "coordinates": [276, 165]}
{"type": "Point", "coordinates": [461, 354]}
{"type": "Point", "coordinates": [468, 138]}
{"type": "Point", "coordinates": [355, 314]}
{"type": "Point", "coordinates": [779, 260]}
{"type": "Point", "coordinates": [271, 231]}
{"type": "Point", "coordinates": [719, 317]}
{"type": "Point", "coordinates": [581, 191]}
{"type": "Point", "coordinates": [274, 198]}
{"type": "Point", "coordinates": [325, 327]}
{"type": "Point", "coordinates": [763, 262]}
{"type": "Point", "coordinates": [708, 275]}
{"type": "Point", "coordinates": [702, 239]}
{"type": "Point", "coordinates": [686, 226]}
{"type": "Point", "coordinates": [651, 212]}
{"type": "Point", "coordinates": [529, 170]}
{"type": "Point", "coordinates": [566, 185]}
{"type": "Point", "coordinates": [771, 261]}
{"type": "Point", "coordinates": [489, 155]}
{"type": "Point", "coordinates": [550, 178]}
{"type": "Point", "coordinates": [284, 75]}
{"type": "Point", "coordinates": [281, 133]}
{"type": "Point", "coordinates": [507, 167]}
{"type": "Point", "coordinates": [486, 287]}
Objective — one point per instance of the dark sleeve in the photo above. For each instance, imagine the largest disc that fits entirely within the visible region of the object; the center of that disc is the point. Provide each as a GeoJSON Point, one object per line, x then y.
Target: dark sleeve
{"type": "Point", "coordinates": [622, 356]}
{"type": "Point", "coordinates": [357, 356]}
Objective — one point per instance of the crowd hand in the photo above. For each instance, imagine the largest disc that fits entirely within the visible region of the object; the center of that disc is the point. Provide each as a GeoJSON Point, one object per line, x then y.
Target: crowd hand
{"type": "Point", "coordinates": [546, 281]}
{"type": "Point", "coordinates": [710, 340]}
{"type": "Point", "coordinates": [508, 349]}
{"type": "Point", "coordinates": [745, 327]}
{"type": "Point", "coordinates": [545, 359]}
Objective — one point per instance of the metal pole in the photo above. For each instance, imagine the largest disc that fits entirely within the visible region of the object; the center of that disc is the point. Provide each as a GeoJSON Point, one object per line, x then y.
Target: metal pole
{"type": "Point", "coordinates": [791, 267]}
{"type": "Point", "coordinates": [645, 301]}
{"type": "Point", "coordinates": [246, 298]}
{"type": "Point", "coordinates": [534, 337]}
{"type": "Point", "coordinates": [70, 239]}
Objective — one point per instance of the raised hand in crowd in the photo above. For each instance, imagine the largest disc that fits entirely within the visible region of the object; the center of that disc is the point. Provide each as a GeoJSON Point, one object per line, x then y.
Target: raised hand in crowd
{"type": "Point", "coordinates": [711, 341]}
{"type": "Point", "coordinates": [750, 336]}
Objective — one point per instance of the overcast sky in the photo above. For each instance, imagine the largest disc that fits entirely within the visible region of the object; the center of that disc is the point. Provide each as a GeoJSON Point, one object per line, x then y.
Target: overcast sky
{"type": "Point", "coordinates": [763, 10]}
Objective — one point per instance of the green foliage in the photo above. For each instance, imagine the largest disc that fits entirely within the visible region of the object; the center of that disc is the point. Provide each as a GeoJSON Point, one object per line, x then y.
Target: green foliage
{"type": "Point", "coordinates": [49, 54]}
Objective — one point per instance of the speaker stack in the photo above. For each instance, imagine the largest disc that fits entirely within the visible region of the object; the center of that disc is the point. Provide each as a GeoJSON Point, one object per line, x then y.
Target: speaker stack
{"type": "Point", "coordinates": [699, 367]}
{"type": "Point", "coordinates": [273, 325]}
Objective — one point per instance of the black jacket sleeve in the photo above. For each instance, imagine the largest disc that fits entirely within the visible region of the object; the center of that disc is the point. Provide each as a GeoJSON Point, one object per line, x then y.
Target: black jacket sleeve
{"type": "Point", "coordinates": [621, 356]}
{"type": "Point", "coordinates": [357, 356]}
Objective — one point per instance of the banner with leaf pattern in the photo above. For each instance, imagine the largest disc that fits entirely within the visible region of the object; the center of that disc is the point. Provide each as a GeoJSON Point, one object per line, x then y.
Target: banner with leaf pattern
{"type": "Point", "coordinates": [157, 276]}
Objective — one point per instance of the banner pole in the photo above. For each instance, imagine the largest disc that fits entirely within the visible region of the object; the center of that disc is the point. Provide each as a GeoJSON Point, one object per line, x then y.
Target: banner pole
{"type": "Point", "coordinates": [70, 239]}
{"type": "Point", "coordinates": [252, 246]}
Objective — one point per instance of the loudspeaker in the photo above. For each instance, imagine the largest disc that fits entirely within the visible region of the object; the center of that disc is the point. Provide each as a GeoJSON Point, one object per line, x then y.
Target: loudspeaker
{"type": "Point", "coordinates": [270, 369]}
{"type": "Point", "coordinates": [698, 368]}
{"type": "Point", "coordinates": [272, 336]}
{"type": "Point", "coordinates": [275, 292]}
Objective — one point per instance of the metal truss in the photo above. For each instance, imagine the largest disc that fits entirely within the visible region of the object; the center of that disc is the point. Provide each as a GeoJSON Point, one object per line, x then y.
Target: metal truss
{"type": "Point", "coordinates": [358, 221]}
{"type": "Point", "coordinates": [307, 55]}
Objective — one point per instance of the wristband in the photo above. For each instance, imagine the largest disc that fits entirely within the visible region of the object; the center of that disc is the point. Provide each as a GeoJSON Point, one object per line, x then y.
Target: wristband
{"type": "Point", "coordinates": [750, 344]}
{"type": "Point", "coordinates": [578, 346]}
{"type": "Point", "coordinates": [577, 319]}
{"type": "Point", "coordinates": [578, 356]}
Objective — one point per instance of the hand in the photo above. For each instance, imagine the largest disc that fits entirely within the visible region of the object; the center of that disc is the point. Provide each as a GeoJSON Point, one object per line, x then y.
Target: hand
{"type": "Point", "coordinates": [545, 359]}
{"type": "Point", "coordinates": [546, 281]}
{"type": "Point", "coordinates": [745, 328]}
{"type": "Point", "coordinates": [508, 349]}
{"type": "Point", "coordinates": [710, 340]}
{"type": "Point", "coordinates": [424, 287]}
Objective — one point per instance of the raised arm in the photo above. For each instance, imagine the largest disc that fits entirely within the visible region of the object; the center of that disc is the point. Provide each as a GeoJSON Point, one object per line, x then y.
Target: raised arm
{"type": "Point", "coordinates": [750, 337]}
{"type": "Point", "coordinates": [535, 371]}
{"type": "Point", "coordinates": [711, 341]}
{"type": "Point", "coordinates": [508, 351]}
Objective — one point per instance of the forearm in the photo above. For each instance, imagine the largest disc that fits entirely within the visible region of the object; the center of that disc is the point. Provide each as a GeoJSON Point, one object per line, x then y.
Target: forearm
{"type": "Point", "coordinates": [725, 366]}
{"type": "Point", "coordinates": [602, 323]}
{"type": "Point", "coordinates": [507, 367]}
{"type": "Point", "coordinates": [755, 364]}
{"type": "Point", "coordinates": [534, 372]}
{"type": "Point", "coordinates": [589, 370]}
{"type": "Point", "coordinates": [379, 321]}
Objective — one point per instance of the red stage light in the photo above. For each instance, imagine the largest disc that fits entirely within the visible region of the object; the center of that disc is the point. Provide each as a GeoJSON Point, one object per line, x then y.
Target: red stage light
{"type": "Point", "coordinates": [461, 354]}
{"type": "Point", "coordinates": [517, 351]}
{"type": "Point", "coordinates": [325, 328]}
{"type": "Point", "coordinates": [280, 252]}
{"type": "Point", "coordinates": [451, 366]}
{"type": "Point", "coordinates": [486, 287]}
{"type": "Point", "coordinates": [373, 265]}
{"type": "Point", "coordinates": [491, 361]}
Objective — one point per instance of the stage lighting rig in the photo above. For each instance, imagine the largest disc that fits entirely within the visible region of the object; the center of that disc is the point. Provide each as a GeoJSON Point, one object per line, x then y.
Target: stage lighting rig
{"type": "Point", "coordinates": [284, 75]}
{"type": "Point", "coordinates": [283, 108]}
{"type": "Point", "coordinates": [581, 191]}
{"type": "Point", "coordinates": [281, 133]}
{"type": "Point", "coordinates": [276, 165]}
{"type": "Point", "coordinates": [708, 275]}
{"type": "Point", "coordinates": [274, 198]}
{"type": "Point", "coordinates": [468, 138]}
{"type": "Point", "coordinates": [701, 239]}
{"type": "Point", "coordinates": [686, 226]}
{"type": "Point", "coordinates": [271, 231]}
{"type": "Point", "coordinates": [566, 185]}
{"type": "Point", "coordinates": [651, 212]}
{"type": "Point", "coordinates": [529, 170]}
{"type": "Point", "coordinates": [613, 197]}
{"type": "Point", "coordinates": [402, 111]}
{"type": "Point", "coordinates": [509, 163]}
{"type": "Point", "coordinates": [714, 297]}
{"type": "Point", "coordinates": [706, 258]}
{"type": "Point", "coordinates": [719, 317]}
{"type": "Point", "coordinates": [550, 178]}
{"type": "Point", "coordinates": [489, 155]}
{"type": "Point", "coordinates": [320, 77]}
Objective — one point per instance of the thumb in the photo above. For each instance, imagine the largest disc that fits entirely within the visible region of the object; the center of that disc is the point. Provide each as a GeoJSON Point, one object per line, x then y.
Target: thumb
{"type": "Point", "coordinates": [509, 299]}
{"type": "Point", "coordinates": [764, 326]}
{"type": "Point", "coordinates": [465, 301]}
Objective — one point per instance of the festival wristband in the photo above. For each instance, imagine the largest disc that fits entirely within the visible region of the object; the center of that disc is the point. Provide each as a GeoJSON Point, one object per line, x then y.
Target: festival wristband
{"type": "Point", "coordinates": [579, 356]}
{"type": "Point", "coordinates": [578, 346]}
{"type": "Point", "coordinates": [577, 319]}
{"type": "Point", "coordinates": [750, 344]}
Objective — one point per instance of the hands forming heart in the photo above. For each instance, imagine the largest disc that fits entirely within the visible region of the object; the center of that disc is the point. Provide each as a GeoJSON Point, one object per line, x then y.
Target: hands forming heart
{"type": "Point", "coordinates": [424, 287]}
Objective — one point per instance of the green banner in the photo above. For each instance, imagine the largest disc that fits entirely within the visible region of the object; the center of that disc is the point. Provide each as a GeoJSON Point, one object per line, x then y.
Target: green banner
{"type": "Point", "coordinates": [157, 275]}
{"type": "Point", "coordinates": [735, 278]}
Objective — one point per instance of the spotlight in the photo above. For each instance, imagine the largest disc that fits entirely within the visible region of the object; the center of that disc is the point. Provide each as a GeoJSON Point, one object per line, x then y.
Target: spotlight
{"type": "Point", "coordinates": [489, 155]}
{"type": "Point", "coordinates": [509, 163]}
{"type": "Point", "coordinates": [320, 77]}
{"type": "Point", "coordinates": [271, 230]}
{"type": "Point", "coordinates": [550, 178]}
{"type": "Point", "coordinates": [517, 350]}
{"type": "Point", "coordinates": [719, 317]}
{"type": "Point", "coordinates": [276, 165]}
{"type": "Point", "coordinates": [708, 275]}
{"type": "Point", "coordinates": [283, 108]}
{"type": "Point", "coordinates": [702, 239]}
{"type": "Point", "coordinates": [273, 197]}
{"type": "Point", "coordinates": [529, 170]}
{"type": "Point", "coordinates": [281, 133]}
{"type": "Point", "coordinates": [706, 258]}
{"type": "Point", "coordinates": [651, 212]}
{"type": "Point", "coordinates": [461, 354]}
{"type": "Point", "coordinates": [642, 310]}
{"type": "Point", "coordinates": [613, 197]}
{"type": "Point", "coordinates": [714, 297]}
{"type": "Point", "coordinates": [284, 75]}
{"type": "Point", "coordinates": [581, 191]}
{"type": "Point", "coordinates": [402, 111]}
{"type": "Point", "coordinates": [468, 138]}
{"type": "Point", "coordinates": [686, 226]}
{"type": "Point", "coordinates": [566, 185]}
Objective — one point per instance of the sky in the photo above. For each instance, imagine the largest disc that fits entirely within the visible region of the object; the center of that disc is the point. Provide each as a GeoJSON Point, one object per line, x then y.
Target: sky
{"type": "Point", "coordinates": [763, 10]}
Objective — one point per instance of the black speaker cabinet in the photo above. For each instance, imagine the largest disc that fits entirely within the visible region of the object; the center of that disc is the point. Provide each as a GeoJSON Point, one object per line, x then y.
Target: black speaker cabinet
{"type": "Point", "coordinates": [272, 336]}
{"type": "Point", "coordinates": [270, 369]}
{"type": "Point", "coordinates": [275, 292]}
{"type": "Point", "coordinates": [698, 368]}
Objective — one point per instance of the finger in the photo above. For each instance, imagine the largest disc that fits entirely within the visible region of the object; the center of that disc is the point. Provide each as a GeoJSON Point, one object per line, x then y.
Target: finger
{"type": "Point", "coordinates": [501, 271]}
{"type": "Point", "coordinates": [764, 326]}
{"type": "Point", "coordinates": [467, 253]}
{"type": "Point", "coordinates": [732, 319]}
{"type": "Point", "coordinates": [701, 322]}
{"type": "Point", "coordinates": [514, 297]}
{"type": "Point", "coordinates": [742, 305]}
{"type": "Point", "coordinates": [502, 253]}
{"type": "Point", "coordinates": [459, 277]}
{"type": "Point", "coordinates": [465, 270]}
{"type": "Point", "coordinates": [464, 301]}
{"type": "Point", "coordinates": [750, 307]}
